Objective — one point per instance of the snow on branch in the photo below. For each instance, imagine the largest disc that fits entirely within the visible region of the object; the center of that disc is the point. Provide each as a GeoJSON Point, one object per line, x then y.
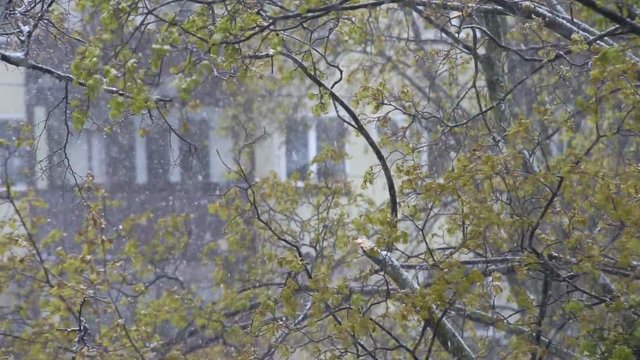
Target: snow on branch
{"type": "Point", "coordinates": [20, 60]}
{"type": "Point", "coordinates": [444, 332]}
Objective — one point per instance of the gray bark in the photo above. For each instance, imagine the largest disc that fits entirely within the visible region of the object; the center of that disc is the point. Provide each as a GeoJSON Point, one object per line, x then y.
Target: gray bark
{"type": "Point", "coordinates": [446, 335]}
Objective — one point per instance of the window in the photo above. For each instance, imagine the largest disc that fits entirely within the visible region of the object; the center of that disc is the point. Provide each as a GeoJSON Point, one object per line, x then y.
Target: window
{"type": "Point", "coordinates": [297, 152]}
{"type": "Point", "coordinates": [321, 139]}
{"type": "Point", "coordinates": [331, 142]}
{"type": "Point", "coordinates": [156, 147]}
{"type": "Point", "coordinates": [14, 156]}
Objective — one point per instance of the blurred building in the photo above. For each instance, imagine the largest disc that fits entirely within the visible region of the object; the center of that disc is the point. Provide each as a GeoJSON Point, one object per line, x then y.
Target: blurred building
{"type": "Point", "coordinates": [152, 164]}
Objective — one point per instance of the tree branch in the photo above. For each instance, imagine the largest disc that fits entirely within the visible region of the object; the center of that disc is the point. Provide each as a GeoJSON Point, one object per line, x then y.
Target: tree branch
{"type": "Point", "coordinates": [393, 200]}
{"type": "Point", "coordinates": [611, 15]}
{"type": "Point", "coordinates": [21, 61]}
{"type": "Point", "coordinates": [443, 331]}
{"type": "Point", "coordinates": [502, 325]}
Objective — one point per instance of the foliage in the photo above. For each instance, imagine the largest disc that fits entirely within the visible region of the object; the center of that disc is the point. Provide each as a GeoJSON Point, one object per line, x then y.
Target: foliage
{"type": "Point", "coordinates": [505, 135]}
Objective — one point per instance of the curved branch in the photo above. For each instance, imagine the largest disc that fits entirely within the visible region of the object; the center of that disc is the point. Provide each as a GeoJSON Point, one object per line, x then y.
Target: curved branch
{"type": "Point", "coordinates": [391, 188]}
